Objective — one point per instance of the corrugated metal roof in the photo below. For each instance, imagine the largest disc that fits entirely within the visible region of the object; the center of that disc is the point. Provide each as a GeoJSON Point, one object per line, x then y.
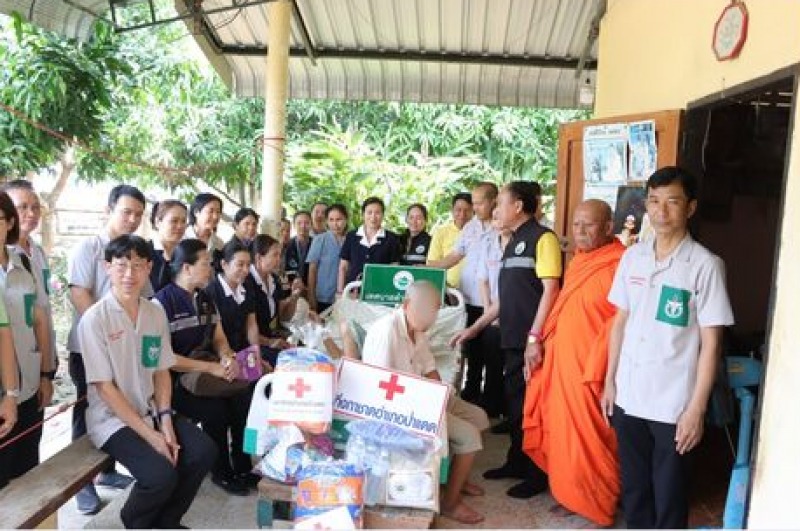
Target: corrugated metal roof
{"type": "Point", "coordinates": [492, 52]}
{"type": "Point", "coordinates": [70, 18]}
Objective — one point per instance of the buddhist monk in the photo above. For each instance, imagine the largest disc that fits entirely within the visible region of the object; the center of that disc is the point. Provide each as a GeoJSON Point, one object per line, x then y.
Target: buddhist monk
{"type": "Point", "coordinates": [565, 431]}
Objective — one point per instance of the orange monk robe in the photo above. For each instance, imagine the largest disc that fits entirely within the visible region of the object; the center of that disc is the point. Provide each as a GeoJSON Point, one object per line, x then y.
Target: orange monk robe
{"type": "Point", "coordinates": [565, 432]}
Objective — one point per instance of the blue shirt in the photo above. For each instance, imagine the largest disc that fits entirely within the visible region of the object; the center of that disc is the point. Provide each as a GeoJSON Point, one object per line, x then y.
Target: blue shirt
{"type": "Point", "coordinates": [192, 317]}
{"type": "Point", "coordinates": [324, 252]}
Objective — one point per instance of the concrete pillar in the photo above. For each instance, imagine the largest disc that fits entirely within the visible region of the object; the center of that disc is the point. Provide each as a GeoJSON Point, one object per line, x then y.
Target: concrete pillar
{"type": "Point", "coordinates": [275, 96]}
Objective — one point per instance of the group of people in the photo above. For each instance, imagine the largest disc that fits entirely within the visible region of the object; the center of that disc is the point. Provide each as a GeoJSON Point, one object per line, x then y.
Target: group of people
{"type": "Point", "coordinates": [607, 371]}
{"type": "Point", "coordinates": [601, 375]}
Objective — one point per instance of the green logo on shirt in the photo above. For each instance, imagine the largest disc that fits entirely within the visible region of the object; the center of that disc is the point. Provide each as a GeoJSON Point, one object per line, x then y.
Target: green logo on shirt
{"type": "Point", "coordinates": [30, 302]}
{"type": "Point", "coordinates": [673, 306]}
{"type": "Point", "coordinates": [151, 351]}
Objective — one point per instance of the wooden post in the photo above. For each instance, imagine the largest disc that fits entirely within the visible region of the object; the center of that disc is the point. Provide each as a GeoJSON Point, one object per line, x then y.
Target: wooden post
{"type": "Point", "coordinates": [275, 96]}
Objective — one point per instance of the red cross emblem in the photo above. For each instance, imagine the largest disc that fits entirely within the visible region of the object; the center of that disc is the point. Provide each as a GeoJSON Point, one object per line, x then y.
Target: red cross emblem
{"type": "Point", "coordinates": [299, 387]}
{"type": "Point", "coordinates": [391, 387]}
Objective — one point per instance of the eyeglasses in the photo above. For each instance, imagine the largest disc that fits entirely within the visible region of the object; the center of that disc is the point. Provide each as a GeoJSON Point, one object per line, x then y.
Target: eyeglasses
{"type": "Point", "coordinates": [122, 266]}
{"type": "Point", "coordinates": [32, 208]}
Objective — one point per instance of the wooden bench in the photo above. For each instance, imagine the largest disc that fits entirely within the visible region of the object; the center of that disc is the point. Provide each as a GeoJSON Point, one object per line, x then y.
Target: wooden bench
{"type": "Point", "coordinates": [379, 517]}
{"type": "Point", "coordinates": [31, 499]}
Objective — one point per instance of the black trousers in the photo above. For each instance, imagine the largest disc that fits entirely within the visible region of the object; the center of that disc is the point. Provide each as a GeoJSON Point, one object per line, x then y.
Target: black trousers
{"type": "Point", "coordinates": [494, 396]}
{"type": "Point", "coordinates": [655, 478]}
{"type": "Point", "coordinates": [162, 493]}
{"type": "Point", "coordinates": [23, 454]}
{"type": "Point", "coordinates": [515, 398]}
{"type": "Point", "coordinates": [77, 371]}
{"type": "Point", "coordinates": [218, 417]}
{"type": "Point", "coordinates": [473, 354]}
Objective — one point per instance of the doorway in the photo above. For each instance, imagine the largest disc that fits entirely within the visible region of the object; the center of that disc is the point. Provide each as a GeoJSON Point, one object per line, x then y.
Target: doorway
{"type": "Point", "coordinates": [736, 143]}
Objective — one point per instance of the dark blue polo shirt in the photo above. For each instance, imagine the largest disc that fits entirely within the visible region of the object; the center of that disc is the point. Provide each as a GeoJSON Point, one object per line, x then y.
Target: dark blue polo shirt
{"type": "Point", "coordinates": [233, 314]}
{"type": "Point", "coordinates": [264, 302]}
{"type": "Point", "coordinates": [192, 317]}
{"type": "Point", "coordinates": [415, 249]}
{"type": "Point", "coordinates": [295, 258]}
{"type": "Point", "coordinates": [160, 273]}
{"type": "Point", "coordinates": [385, 250]}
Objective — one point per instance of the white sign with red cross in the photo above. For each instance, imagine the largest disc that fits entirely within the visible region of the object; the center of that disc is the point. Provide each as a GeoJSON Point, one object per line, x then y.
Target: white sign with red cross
{"type": "Point", "coordinates": [408, 401]}
{"type": "Point", "coordinates": [301, 397]}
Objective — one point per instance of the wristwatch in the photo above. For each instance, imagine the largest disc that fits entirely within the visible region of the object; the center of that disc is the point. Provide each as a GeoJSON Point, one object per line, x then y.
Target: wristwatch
{"type": "Point", "coordinates": [50, 375]}
{"type": "Point", "coordinates": [534, 338]}
{"type": "Point", "coordinates": [13, 393]}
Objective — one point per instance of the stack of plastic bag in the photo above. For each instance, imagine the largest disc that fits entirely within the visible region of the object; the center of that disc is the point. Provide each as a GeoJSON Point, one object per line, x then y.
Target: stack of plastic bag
{"type": "Point", "coordinates": [401, 468]}
{"type": "Point", "coordinates": [324, 487]}
{"type": "Point", "coordinates": [290, 427]}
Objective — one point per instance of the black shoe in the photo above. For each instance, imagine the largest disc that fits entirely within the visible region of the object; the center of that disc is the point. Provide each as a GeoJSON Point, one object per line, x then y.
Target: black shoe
{"type": "Point", "coordinates": [114, 480]}
{"type": "Point", "coordinates": [526, 489]}
{"type": "Point", "coordinates": [231, 485]}
{"type": "Point", "coordinates": [249, 479]}
{"type": "Point", "coordinates": [504, 472]}
{"type": "Point", "coordinates": [501, 427]}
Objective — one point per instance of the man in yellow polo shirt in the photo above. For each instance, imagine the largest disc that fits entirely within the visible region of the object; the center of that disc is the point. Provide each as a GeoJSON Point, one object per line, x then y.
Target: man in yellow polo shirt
{"type": "Point", "coordinates": [444, 238]}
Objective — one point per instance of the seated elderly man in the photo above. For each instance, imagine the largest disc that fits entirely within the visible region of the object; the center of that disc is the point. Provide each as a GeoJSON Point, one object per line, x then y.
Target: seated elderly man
{"type": "Point", "coordinates": [397, 341]}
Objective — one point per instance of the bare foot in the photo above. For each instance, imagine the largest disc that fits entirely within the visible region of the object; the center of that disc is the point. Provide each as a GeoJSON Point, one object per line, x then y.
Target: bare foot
{"type": "Point", "coordinates": [471, 489]}
{"type": "Point", "coordinates": [463, 514]}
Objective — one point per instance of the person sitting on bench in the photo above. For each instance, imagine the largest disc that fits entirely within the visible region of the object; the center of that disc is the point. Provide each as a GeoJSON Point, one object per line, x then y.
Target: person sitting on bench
{"type": "Point", "coordinates": [397, 341]}
{"type": "Point", "coordinates": [126, 346]}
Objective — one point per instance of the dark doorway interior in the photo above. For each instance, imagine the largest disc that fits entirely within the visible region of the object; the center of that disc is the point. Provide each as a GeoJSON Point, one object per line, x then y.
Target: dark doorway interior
{"type": "Point", "coordinates": [736, 144]}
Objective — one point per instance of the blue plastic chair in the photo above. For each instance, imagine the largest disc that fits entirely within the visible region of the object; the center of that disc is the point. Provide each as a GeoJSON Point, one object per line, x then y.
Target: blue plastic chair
{"type": "Point", "coordinates": [743, 372]}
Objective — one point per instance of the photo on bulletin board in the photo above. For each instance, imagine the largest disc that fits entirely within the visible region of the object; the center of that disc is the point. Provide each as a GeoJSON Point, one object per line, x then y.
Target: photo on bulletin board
{"type": "Point", "coordinates": [629, 212]}
{"type": "Point", "coordinates": [643, 150]}
{"type": "Point", "coordinates": [605, 155]}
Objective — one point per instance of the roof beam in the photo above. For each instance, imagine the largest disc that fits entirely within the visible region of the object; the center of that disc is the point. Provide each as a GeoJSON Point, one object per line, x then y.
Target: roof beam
{"type": "Point", "coordinates": [415, 56]}
{"type": "Point", "coordinates": [305, 35]}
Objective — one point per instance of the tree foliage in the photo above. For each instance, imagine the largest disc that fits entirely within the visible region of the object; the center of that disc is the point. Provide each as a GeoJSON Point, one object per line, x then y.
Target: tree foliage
{"type": "Point", "coordinates": [144, 108]}
{"type": "Point", "coordinates": [58, 83]}
{"type": "Point", "coordinates": [433, 150]}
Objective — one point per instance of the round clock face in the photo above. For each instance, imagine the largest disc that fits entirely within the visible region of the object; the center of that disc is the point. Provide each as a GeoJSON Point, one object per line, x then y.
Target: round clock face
{"type": "Point", "coordinates": [730, 31]}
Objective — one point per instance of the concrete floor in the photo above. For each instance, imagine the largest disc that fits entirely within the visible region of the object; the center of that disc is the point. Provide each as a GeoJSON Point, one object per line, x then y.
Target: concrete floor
{"type": "Point", "coordinates": [214, 509]}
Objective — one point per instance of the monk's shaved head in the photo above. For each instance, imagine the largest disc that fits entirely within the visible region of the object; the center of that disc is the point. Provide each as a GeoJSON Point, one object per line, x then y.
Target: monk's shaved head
{"type": "Point", "coordinates": [599, 209]}
{"type": "Point", "coordinates": [592, 225]}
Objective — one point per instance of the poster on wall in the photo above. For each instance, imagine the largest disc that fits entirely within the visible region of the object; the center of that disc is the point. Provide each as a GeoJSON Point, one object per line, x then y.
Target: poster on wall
{"type": "Point", "coordinates": [630, 215]}
{"type": "Point", "coordinates": [643, 149]}
{"type": "Point", "coordinates": [604, 193]}
{"type": "Point", "coordinates": [605, 155]}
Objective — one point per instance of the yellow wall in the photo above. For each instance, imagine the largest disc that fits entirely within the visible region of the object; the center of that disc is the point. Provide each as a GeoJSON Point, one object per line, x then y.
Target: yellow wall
{"type": "Point", "coordinates": [656, 55]}
{"type": "Point", "coordinates": [776, 485]}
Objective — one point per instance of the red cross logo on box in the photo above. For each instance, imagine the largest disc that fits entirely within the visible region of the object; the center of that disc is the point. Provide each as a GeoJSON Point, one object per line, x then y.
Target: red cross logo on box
{"type": "Point", "coordinates": [299, 387]}
{"type": "Point", "coordinates": [391, 387]}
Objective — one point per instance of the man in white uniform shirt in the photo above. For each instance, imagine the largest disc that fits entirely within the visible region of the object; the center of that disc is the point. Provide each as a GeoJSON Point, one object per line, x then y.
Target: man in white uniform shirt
{"type": "Point", "coordinates": [664, 349]}
{"type": "Point", "coordinates": [128, 351]}
{"type": "Point", "coordinates": [469, 247]}
{"type": "Point", "coordinates": [88, 283]}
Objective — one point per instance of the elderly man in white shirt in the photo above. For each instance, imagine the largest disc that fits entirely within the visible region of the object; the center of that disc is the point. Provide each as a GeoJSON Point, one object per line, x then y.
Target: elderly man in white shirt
{"type": "Point", "coordinates": [398, 341]}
